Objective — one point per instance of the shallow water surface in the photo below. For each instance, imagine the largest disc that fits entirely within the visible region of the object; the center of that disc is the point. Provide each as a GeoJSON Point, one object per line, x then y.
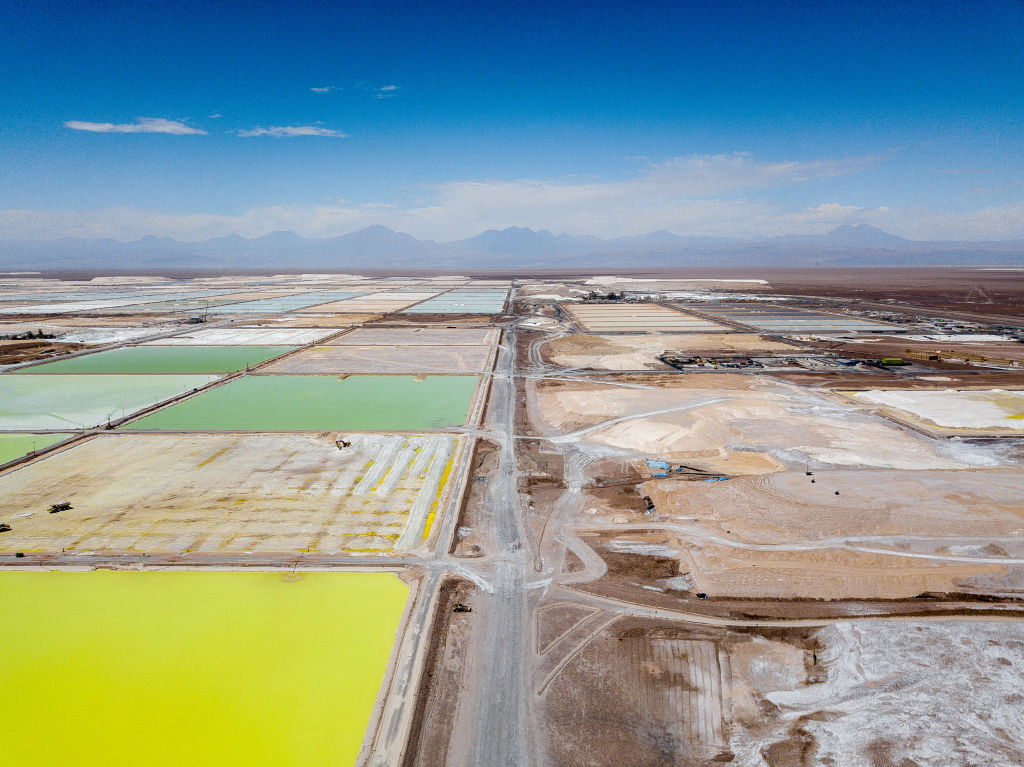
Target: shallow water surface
{"type": "Point", "coordinates": [192, 668]}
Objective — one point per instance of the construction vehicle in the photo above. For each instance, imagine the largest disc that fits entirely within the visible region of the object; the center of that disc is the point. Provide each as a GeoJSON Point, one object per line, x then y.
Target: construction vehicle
{"type": "Point", "coordinates": [459, 607]}
{"type": "Point", "coordinates": [5, 528]}
{"type": "Point", "coordinates": [62, 506]}
{"type": "Point", "coordinates": [342, 443]}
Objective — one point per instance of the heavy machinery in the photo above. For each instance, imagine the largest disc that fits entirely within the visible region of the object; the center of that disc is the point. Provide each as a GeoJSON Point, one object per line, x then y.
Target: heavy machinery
{"type": "Point", "coordinates": [62, 506]}
{"type": "Point", "coordinates": [342, 443]}
{"type": "Point", "coordinates": [458, 607]}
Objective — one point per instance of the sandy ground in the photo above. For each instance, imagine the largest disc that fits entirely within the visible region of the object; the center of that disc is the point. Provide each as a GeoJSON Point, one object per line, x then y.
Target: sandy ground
{"type": "Point", "coordinates": [874, 503]}
{"type": "Point", "coordinates": [18, 352]}
{"type": "Point", "coordinates": [228, 494]}
{"type": "Point", "coordinates": [637, 352]}
{"type": "Point", "coordinates": [834, 574]}
{"type": "Point", "coordinates": [630, 696]}
{"type": "Point", "coordinates": [783, 537]}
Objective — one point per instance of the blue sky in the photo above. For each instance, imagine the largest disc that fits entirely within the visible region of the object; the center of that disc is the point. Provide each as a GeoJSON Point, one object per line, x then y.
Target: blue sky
{"type": "Point", "coordinates": [443, 119]}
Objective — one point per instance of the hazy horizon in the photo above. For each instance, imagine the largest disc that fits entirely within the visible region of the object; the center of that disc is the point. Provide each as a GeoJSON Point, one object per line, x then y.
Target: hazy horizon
{"type": "Point", "coordinates": [731, 120]}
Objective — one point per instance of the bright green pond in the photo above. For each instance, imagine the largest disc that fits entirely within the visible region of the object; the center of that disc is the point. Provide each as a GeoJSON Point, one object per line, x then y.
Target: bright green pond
{"type": "Point", "coordinates": [321, 403]}
{"type": "Point", "coordinates": [164, 359]}
{"type": "Point", "coordinates": [104, 669]}
{"type": "Point", "coordinates": [16, 445]}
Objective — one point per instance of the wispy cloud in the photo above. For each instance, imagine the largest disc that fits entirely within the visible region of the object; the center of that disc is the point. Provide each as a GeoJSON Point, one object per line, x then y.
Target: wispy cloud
{"type": "Point", "coordinates": [141, 125]}
{"type": "Point", "coordinates": [216, 116]}
{"type": "Point", "coordinates": [378, 91]}
{"type": "Point", "coordinates": [697, 194]}
{"type": "Point", "coordinates": [284, 131]}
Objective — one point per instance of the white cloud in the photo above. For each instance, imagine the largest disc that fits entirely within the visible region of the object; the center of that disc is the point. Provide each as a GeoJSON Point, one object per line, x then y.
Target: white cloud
{"type": "Point", "coordinates": [141, 125]}
{"type": "Point", "coordinates": [719, 195]}
{"type": "Point", "coordinates": [292, 130]}
{"type": "Point", "coordinates": [325, 89]}
{"type": "Point", "coordinates": [216, 116]}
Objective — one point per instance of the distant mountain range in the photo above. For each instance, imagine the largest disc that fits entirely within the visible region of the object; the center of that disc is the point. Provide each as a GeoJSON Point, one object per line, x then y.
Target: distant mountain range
{"type": "Point", "coordinates": [378, 247]}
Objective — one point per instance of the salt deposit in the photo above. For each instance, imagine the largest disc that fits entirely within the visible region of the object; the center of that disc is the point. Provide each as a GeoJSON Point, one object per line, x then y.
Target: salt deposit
{"type": "Point", "coordinates": [955, 409]}
{"type": "Point", "coordinates": [895, 693]}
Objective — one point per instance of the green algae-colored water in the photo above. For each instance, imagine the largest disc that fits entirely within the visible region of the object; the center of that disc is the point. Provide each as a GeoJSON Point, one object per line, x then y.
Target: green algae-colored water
{"type": "Point", "coordinates": [16, 445]}
{"type": "Point", "coordinates": [321, 403]}
{"type": "Point", "coordinates": [164, 359]}
{"type": "Point", "coordinates": [77, 401]}
{"type": "Point", "coordinates": [192, 668]}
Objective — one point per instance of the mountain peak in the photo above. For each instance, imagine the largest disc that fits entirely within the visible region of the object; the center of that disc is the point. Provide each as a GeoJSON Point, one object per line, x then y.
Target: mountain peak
{"type": "Point", "coordinates": [862, 234]}
{"type": "Point", "coordinates": [280, 237]}
{"type": "Point", "coordinates": [377, 235]}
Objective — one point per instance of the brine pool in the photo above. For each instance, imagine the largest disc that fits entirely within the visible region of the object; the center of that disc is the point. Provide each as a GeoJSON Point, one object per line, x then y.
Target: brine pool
{"type": "Point", "coordinates": [198, 668]}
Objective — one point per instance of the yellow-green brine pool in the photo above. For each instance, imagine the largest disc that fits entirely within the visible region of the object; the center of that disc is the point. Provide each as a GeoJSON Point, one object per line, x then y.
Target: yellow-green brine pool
{"type": "Point", "coordinates": [192, 668]}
